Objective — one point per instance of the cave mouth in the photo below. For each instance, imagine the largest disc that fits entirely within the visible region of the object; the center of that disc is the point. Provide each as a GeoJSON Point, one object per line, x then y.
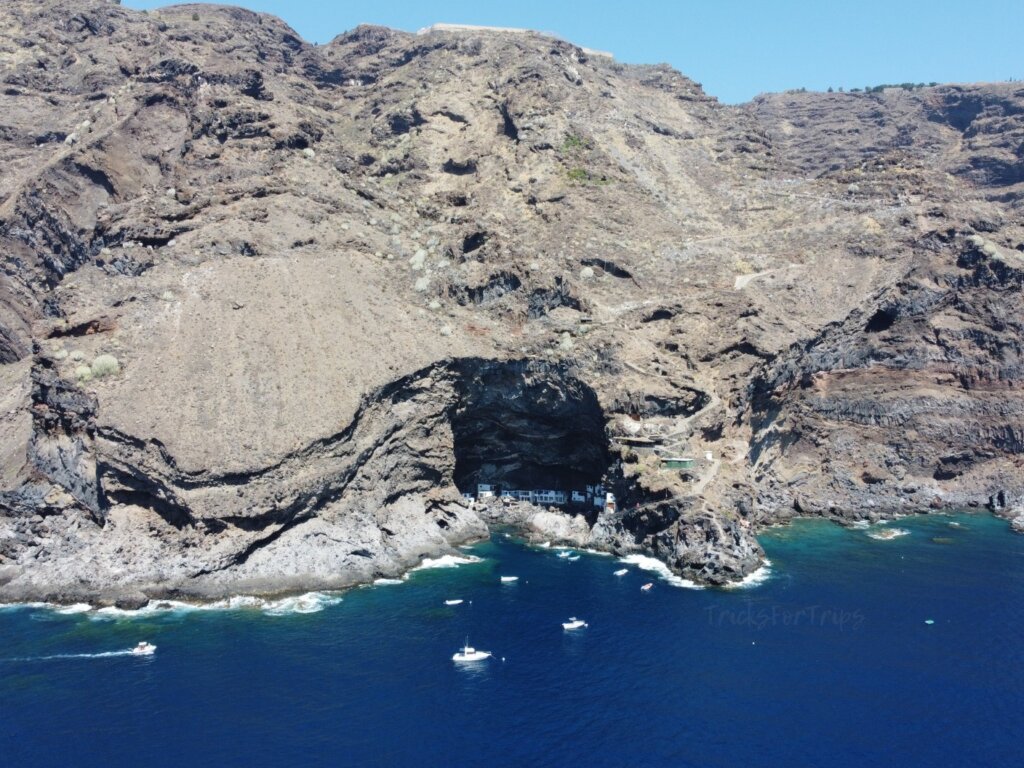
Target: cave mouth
{"type": "Point", "coordinates": [526, 425]}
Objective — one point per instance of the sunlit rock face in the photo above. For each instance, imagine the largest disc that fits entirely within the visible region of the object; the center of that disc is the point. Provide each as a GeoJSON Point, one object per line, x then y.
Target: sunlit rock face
{"type": "Point", "coordinates": [268, 308]}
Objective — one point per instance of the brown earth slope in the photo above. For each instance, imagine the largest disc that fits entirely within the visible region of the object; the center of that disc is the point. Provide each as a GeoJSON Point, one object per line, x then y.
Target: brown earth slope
{"type": "Point", "coordinates": [344, 282]}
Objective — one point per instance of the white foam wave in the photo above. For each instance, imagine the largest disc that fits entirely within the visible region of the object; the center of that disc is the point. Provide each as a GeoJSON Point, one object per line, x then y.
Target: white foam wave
{"type": "Point", "coordinates": [889, 533]}
{"type": "Point", "coordinates": [153, 607]}
{"type": "Point", "coordinates": [310, 602]}
{"type": "Point", "coordinates": [21, 606]}
{"type": "Point", "coordinates": [447, 561]}
{"type": "Point", "coordinates": [387, 582]}
{"type": "Point", "coordinates": [76, 608]}
{"type": "Point", "coordinates": [760, 576]}
{"type": "Point", "coordinates": [860, 524]}
{"type": "Point", "coordinates": [597, 552]}
{"type": "Point", "coordinates": [653, 565]}
{"type": "Point", "coordinates": [235, 603]}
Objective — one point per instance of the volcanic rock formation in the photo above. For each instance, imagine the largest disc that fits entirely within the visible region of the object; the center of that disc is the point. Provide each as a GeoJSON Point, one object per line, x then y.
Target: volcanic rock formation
{"type": "Point", "coordinates": [267, 307]}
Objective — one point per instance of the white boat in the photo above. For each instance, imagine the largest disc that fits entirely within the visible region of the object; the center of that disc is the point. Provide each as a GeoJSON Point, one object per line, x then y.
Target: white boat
{"type": "Point", "coordinates": [622, 571]}
{"type": "Point", "coordinates": [565, 553]}
{"type": "Point", "coordinates": [508, 579]}
{"type": "Point", "coordinates": [574, 558]}
{"type": "Point", "coordinates": [646, 587]}
{"type": "Point", "coordinates": [143, 649]}
{"type": "Point", "coordinates": [469, 653]}
{"type": "Point", "coordinates": [574, 623]}
{"type": "Point", "coordinates": [453, 602]}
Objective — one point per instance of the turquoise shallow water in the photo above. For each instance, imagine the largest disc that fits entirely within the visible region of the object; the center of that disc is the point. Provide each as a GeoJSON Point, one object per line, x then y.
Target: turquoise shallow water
{"type": "Point", "coordinates": [828, 662]}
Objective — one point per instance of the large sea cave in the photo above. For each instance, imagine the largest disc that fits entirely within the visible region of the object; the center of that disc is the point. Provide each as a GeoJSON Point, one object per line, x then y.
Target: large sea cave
{"type": "Point", "coordinates": [526, 425]}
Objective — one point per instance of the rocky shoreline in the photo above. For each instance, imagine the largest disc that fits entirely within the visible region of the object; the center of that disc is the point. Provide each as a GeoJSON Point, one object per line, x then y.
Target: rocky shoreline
{"type": "Point", "coordinates": [538, 526]}
{"type": "Point", "coordinates": [269, 308]}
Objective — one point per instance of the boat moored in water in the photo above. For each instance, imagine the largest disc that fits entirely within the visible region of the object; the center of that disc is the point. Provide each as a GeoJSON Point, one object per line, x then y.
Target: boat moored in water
{"type": "Point", "coordinates": [574, 623]}
{"type": "Point", "coordinates": [143, 649]}
{"type": "Point", "coordinates": [469, 653]}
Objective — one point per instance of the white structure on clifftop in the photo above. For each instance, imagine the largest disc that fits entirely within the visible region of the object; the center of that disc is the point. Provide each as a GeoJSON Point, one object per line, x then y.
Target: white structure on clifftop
{"type": "Point", "coordinates": [471, 28]}
{"type": "Point", "coordinates": [509, 30]}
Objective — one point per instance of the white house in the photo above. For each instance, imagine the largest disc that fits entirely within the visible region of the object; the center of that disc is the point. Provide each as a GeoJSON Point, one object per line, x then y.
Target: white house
{"type": "Point", "coordinates": [549, 497]}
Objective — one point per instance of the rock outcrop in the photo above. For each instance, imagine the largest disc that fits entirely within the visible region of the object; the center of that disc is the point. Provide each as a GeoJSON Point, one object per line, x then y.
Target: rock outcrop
{"type": "Point", "coordinates": [268, 308]}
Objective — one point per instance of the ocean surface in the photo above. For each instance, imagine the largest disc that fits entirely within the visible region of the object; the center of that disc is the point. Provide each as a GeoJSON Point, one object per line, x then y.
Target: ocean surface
{"type": "Point", "coordinates": [849, 651]}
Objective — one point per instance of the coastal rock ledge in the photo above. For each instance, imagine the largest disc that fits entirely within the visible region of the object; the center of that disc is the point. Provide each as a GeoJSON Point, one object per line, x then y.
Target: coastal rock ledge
{"type": "Point", "coordinates": [270, 310]}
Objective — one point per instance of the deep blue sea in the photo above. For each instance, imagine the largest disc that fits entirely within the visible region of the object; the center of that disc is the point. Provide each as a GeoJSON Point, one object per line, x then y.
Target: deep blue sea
{"type": "Point", "coordinates": [827, 662]}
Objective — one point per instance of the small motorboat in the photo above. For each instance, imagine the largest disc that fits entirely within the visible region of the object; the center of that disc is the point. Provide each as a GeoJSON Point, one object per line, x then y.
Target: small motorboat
{"type": "Point", "coordinates": [647, 587]}
{"type": "Point", "coordinates": [509, 579]}
{"type": "Point", "coordinates": [469, 653]}
{"type": "Point", "coordinates": [574, 623]}
{"type": "Point", "coordinates": [143, 649]}
{"type": "Point", "coordinates": [453, 602]}
{"type": "Point", "coordinates": [573, 559]}
{"type": "Point", "coordinates": [622, 571]}
{"type": "Point", "coordinates": [565, 554]}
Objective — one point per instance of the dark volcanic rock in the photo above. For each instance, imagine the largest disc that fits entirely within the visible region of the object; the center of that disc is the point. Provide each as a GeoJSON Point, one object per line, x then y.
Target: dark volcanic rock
{"type": "Point", "coordinates": [268, 307]}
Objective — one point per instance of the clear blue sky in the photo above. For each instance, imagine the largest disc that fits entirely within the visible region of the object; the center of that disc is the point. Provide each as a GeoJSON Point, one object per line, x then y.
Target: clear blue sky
{"type": "Point", "coordinates": [735, 48]}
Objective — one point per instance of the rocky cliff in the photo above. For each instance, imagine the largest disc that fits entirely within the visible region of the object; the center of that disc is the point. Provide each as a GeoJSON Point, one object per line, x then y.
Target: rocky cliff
{"type": "Point", "coordinates": [268, 307]}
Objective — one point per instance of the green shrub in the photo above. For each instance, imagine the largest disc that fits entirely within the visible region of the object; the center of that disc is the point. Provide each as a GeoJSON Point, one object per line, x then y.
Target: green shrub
{"type": "Point", "coordinates": [83, 373]}
{"type": "Point", "coordinates": [583, 176]}
{"type": "Point", "coordinates": [574, 141]}
{"type": "Point", "coordinates": [105, 365]}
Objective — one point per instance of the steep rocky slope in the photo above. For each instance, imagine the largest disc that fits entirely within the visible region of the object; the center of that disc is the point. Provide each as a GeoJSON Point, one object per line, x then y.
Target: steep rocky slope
{"type": "Point", "coordinates": [344, 282]}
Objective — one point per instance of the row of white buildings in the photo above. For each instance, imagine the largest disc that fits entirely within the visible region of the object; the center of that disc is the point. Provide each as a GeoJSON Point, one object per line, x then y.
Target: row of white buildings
{"type": "Point", "coordinates": [594, 495]}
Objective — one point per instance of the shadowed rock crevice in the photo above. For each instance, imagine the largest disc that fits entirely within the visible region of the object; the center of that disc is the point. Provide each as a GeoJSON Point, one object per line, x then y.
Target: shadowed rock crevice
{"type": "Point", "coordinates": [494, 288]}
{"type": "Point", "coordinates": [526, 426]}
{"type": "Point", "coordinates": [346, 279]}
{"type": "Point", "coordinates": [383, 489]}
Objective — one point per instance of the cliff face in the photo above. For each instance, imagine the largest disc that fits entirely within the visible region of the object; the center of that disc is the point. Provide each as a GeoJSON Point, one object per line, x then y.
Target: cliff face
{"type": "Point", "coordinates": [344, 282]}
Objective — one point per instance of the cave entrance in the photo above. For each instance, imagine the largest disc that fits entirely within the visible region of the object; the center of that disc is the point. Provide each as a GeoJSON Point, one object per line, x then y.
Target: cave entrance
{"type": "Point", "coordinates": [527, 426]}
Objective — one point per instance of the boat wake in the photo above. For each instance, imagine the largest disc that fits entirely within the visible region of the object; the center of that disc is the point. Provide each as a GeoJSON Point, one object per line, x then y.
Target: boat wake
{"type": "Point", "coordinates": [60, 656]}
